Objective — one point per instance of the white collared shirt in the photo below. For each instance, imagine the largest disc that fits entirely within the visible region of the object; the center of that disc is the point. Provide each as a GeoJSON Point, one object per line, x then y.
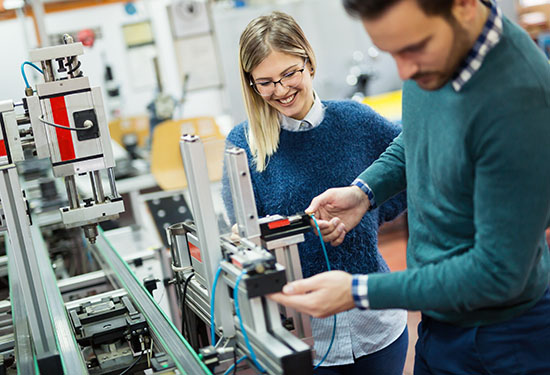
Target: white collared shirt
{"type": "Point", "coordinates": [313, 118]}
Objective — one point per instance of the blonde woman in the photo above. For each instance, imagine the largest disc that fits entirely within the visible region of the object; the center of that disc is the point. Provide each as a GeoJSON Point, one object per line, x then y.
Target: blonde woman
{"type": "Point", "coordinates": [298, 146]}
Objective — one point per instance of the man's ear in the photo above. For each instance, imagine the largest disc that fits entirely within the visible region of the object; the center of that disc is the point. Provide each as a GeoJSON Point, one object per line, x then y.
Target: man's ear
{"type": "Point", "coordinates": [464, 11]}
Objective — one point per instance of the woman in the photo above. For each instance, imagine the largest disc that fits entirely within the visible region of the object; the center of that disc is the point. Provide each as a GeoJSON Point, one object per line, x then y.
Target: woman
{"type": "Point", "coordinates": [298, 146]}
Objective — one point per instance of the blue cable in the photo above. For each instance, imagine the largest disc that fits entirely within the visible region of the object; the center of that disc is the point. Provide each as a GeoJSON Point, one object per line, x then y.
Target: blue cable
{"type": "Point", "coordinates": [328, 267]}
{"type": "Point", "coordinates": [212, 300]}
{"type": "Point", "coordinates": [238, 311]}
{"type": "Point", "coordinates": [25, 75]}
{"type": "Point", "coordinates": [234, 364]}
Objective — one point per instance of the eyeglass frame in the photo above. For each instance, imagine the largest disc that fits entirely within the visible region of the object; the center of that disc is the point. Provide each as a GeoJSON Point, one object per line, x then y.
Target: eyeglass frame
{"type": "Point", "coordinates": [301, 71]}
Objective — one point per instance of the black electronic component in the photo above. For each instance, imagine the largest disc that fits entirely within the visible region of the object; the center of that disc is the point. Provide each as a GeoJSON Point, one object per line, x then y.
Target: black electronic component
{"type": "Point", "coordinates": [278, 226]}
{"type": "Point", "coordinates": [150, 283]}
{"type": "Point", "coordinates": [107, 321]}
{"type": "Point", "coordinates": [262, 284]}
{"type": "Point", "coordinates": [209, 357]}
{"type": "Point", "coordinates": [82, 119]}
{"type": "Point", "coordinates": [161, 362]}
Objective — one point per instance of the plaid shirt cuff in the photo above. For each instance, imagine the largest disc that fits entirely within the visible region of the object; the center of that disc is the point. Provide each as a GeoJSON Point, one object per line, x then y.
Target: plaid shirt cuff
{"type": "Point", "coordinates": [359, 290]}
{"type": "Point", "coordinates": [366, 189]}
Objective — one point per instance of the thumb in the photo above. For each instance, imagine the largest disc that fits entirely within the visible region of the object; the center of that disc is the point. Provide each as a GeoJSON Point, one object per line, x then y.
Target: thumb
{"type": "Point", "coordinates": [299, 286]}
{"type": "Point", "coordinates": [315, 204]}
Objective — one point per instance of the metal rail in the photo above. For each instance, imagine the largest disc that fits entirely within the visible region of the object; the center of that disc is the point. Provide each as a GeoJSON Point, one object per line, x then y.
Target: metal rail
{"type": "Point", "coordinates": [164, 332]}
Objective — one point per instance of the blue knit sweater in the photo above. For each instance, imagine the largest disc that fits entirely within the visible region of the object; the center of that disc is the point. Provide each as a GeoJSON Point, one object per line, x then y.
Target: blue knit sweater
{"type": "Point", "coordinates": [307, 163]}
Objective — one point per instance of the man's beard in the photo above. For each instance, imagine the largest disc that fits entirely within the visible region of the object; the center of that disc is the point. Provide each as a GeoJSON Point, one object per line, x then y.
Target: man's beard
{"type": "Point", "coordinates": [458, 52]}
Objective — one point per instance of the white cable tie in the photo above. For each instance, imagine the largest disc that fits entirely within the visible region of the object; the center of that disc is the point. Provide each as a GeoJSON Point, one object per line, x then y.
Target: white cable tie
{"type": "Point", "coordinates": [181, 269]}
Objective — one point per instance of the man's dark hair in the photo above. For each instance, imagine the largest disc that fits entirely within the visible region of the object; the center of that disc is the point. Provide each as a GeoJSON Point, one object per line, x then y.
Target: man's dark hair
{"type": "Point", "coordinates": [371, 9]}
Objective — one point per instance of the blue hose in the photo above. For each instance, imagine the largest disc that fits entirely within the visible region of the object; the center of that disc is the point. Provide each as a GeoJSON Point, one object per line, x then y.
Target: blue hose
{"type": "Point", "coordinates": [212, 300]}
{"type": "Point", "coordinates": [328, 267]}
{"type": "Point", "coordinates": [238, 312]}
{"type": "Point", "coordinates": [25, 75]}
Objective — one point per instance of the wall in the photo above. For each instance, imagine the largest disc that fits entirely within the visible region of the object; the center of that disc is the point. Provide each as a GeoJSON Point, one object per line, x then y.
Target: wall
{"type": "Point", "coordinates": [333, 35]}
{"type": "Point", "coordinates": [14, 50]}
{"type": "Point", "coordinates": [109, 49]}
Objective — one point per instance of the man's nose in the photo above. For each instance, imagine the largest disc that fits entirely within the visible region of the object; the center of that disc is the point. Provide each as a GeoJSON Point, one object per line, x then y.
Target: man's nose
{"type": "Point", "coordinates": [406, 67]}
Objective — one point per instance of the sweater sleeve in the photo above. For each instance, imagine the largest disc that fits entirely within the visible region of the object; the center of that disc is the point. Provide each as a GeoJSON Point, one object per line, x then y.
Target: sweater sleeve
{"type": "Point", "coordinates": [511, 211]}
{"type": "Point", "coordinates": [386, 176]}
{"type": "Point", "coordinates": [384, 133]}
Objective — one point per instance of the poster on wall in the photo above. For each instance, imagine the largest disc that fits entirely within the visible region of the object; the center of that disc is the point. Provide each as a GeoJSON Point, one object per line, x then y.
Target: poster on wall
{"type": "Point", "coordinates": [189, 18]}
{"type": "Point", "coordinates": [138, 34]}
{"type": "Point", "coordinates": [141, 67]}
{"type": "Point", "coordinates": [141, 51]}
{"type": "Point", "coordinates": [197, 61]}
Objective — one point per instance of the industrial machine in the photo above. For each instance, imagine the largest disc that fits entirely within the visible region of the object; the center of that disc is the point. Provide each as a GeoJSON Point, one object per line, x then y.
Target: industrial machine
{"type": "Point", "coordinates": [120, 331]}
{"type": "Point", "coordinates": [224, 284]}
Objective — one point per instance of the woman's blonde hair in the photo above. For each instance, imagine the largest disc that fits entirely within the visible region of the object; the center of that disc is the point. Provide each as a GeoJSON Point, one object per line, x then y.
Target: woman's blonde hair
{"type": "Point", "coordinates": [274, 32]}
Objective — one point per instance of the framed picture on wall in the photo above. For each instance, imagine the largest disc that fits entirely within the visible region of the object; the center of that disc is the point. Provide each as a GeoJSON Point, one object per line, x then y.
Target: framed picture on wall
{"type": "Point", "coordinates": [189, 18]}
{"type": "Point", "coordinates": [197, 60]}
{"type": "Point", "coordinates": [138, 34]}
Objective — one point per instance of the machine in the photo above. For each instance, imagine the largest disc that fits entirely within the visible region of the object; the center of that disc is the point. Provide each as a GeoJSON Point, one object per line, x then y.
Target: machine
{"type": "Point", "coordinates": [224, 284]}
{"type": "Point", "coordinates": [122, 330]}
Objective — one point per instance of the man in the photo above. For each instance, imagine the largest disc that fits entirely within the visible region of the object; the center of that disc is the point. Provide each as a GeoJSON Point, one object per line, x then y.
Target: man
{"type": "Point", "coordinates": [474, 156]}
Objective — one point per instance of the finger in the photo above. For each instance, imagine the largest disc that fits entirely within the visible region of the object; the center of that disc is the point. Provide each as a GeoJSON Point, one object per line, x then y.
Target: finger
{"type": "Point", "coordinates": [340, 239]}
{"type": "Point", "coordinates": [325, 226]}
{"type": "Point", "coordinates": [334, 234]}
{"type": "Point", "coordinates": [235, 238]}
{"type": "Point", "coordinates": [302, 286]}
{"type": "Point", "coordinates": [302, 303]}
{"type": "Point", "coordinates": [315, 204]}
{"type": "Point", "coordinates": [334, 222]}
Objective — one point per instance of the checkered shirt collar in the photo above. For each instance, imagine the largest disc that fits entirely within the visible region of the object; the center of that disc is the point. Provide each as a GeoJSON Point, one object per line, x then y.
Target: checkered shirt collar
{"type": "Point", "coordinates": [489, 37]}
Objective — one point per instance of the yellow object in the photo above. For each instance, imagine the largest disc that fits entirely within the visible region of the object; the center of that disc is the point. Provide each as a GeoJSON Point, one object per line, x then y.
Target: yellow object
{"type": "Point", "coordinates": [166, 163]}
{"type": "Point", "coordinates": [388, 104]}
{"type": "Point", "coordinates": [138, 125]}
{"type": "Point", "coordinates": [137, 34]}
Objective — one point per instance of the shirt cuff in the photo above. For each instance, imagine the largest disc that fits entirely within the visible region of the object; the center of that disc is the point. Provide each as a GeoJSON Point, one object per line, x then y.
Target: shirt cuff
{"type": "Point", "coordinates": [360, 291]}
{"type": "Point", "coordinates": [366, 189]}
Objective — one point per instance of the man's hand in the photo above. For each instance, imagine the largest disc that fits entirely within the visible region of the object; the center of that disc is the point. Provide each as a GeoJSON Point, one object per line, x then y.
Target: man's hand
{"type": "Point", "coordinates": [320, 296]}
{"type": "Point", "coordinates": [338, 211]}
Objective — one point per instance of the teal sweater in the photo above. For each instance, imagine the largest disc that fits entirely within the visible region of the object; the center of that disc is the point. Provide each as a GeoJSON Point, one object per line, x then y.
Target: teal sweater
{"type": "Point", "coordinates": [476, 165]}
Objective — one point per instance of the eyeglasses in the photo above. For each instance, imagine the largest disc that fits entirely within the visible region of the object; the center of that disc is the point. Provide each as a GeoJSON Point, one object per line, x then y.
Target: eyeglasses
{"type": "Point", "coordinates": [290, 79]}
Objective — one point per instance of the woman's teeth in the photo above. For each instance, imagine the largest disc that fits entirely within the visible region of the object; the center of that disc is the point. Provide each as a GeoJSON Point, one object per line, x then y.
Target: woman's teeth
{"type": "Point", "coordinates": [287, 100]}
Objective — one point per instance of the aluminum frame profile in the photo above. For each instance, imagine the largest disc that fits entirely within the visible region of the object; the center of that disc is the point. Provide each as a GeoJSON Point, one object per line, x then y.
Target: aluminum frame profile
{"type": "Point", "coordinates": [163, 331]}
